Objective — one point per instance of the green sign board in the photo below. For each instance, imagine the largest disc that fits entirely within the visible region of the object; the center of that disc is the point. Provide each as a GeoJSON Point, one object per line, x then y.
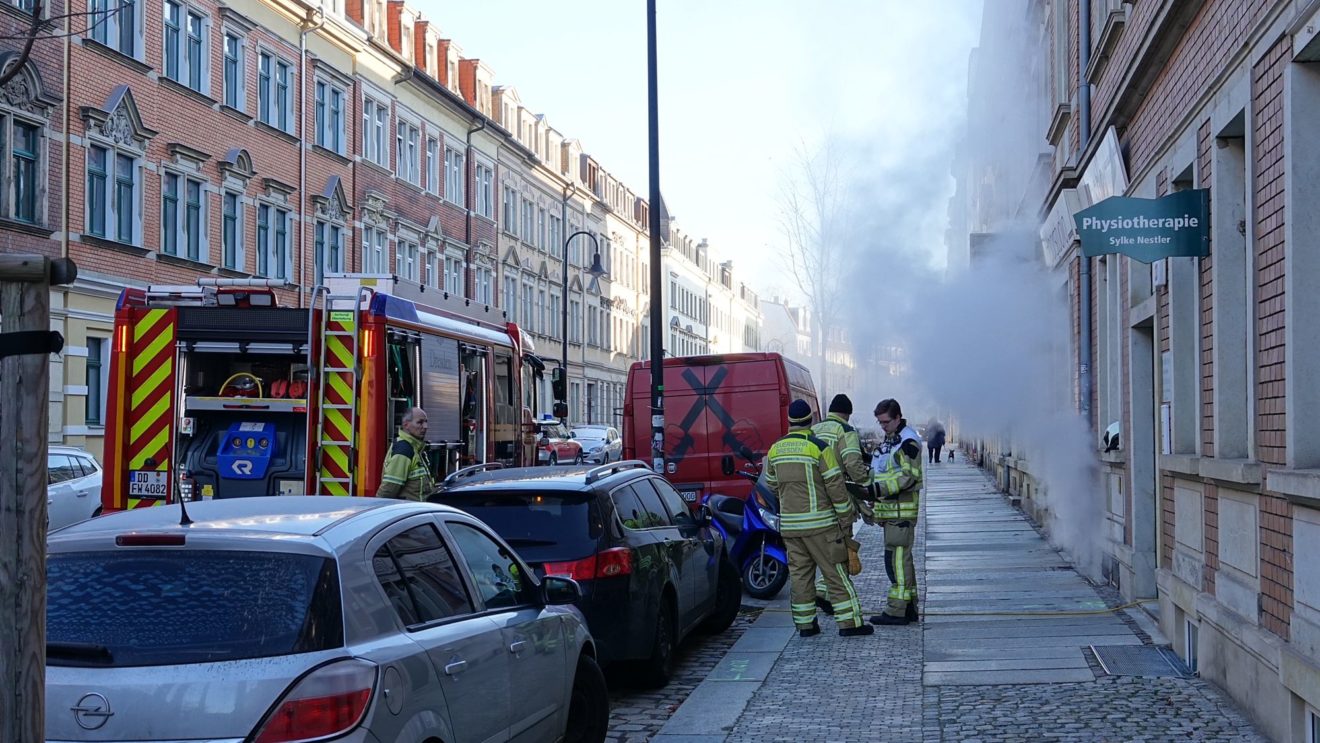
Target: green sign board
{"type": "Point", "coordinates": [1147, 229]}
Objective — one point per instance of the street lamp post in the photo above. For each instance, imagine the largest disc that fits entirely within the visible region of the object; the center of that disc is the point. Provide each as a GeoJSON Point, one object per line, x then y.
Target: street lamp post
{"type": "Point", "coordinates": [596, 270]}
{"type": "Point", "coordinates": [657, 318]}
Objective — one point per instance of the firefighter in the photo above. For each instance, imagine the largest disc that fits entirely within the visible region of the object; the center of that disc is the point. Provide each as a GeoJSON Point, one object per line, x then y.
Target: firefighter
{"type": "Point", "coordinates": [844, 441]}
{"type": "Point", "coordinates": [406, 474]}
{"type": "Point", "coordinates": [896, 483]}
{"type": "Point", "coordinates": [815, 513]}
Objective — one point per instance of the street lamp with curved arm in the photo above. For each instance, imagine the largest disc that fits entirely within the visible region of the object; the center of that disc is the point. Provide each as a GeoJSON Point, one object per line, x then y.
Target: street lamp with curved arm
{"type": "Point", "coordinates": [596, 270]}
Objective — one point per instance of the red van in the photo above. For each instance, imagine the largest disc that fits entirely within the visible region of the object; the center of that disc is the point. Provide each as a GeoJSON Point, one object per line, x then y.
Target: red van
{"type": "Point", "coordinates": [714, 405]}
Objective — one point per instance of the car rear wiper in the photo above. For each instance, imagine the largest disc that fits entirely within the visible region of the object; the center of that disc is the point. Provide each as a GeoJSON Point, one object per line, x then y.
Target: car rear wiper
{"type": "Point", "coordinates": [82, 651]}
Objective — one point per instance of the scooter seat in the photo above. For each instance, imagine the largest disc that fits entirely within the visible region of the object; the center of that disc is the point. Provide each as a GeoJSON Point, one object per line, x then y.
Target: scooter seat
{"type": "Point", "coordinates": [728, 511]}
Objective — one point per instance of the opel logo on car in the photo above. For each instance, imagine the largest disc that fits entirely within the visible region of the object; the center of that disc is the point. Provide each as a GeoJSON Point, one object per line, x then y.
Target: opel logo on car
{"type": "Point", "coordinates": [92, 711]}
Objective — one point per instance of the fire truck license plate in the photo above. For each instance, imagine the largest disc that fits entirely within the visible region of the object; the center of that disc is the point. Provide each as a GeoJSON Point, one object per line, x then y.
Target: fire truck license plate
{"type": "Point", "coordinates": [146, 484]}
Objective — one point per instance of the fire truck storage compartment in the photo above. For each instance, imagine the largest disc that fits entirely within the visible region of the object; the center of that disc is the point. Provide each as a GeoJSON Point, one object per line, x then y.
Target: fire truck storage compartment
{"type": "Point", "coordinates": [243, 428]}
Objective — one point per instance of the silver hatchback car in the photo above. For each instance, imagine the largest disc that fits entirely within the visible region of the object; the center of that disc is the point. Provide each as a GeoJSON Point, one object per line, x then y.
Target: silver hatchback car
{"type": "Point", "coordinates": [310, 618]}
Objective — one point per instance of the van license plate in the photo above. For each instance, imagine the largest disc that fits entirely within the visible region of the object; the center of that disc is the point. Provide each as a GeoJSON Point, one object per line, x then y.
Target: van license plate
{"type": "Point", "coordinates": [147, 484]}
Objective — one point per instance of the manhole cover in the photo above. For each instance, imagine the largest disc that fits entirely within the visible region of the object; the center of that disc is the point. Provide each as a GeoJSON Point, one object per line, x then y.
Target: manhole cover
{"type": "Point", "coordinates": [1138, 660]}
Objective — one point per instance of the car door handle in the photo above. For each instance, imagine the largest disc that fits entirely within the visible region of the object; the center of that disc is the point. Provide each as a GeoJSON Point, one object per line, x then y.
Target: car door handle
{"type": "Point", "coordinates": [82, 495]}
{"type": "Point", "coordinates": [518, 647]}
{"type": "Point", "coordinates": [455, 668]}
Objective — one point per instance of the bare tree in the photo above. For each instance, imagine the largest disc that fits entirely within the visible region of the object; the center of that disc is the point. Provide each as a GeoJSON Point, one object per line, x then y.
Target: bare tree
{"type": "Point", "coordinates": [813, 212]}
{"type": "Point", "coordinates": [38, 28]}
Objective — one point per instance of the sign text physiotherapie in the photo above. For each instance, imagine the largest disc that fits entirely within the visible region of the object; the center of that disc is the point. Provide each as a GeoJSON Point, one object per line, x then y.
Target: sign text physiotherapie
{"type": "Point", "coordinates": [1147, 229]}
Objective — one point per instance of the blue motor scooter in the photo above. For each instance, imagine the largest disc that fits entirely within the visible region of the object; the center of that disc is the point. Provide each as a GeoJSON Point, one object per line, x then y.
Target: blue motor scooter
{"type": "Point", "coordinates": [752, 528]}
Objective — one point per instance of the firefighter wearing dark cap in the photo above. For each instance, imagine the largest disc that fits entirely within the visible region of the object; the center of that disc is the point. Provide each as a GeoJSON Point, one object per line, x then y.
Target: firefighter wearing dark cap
{"type": "Point", "coordinates": [896, 483]}
{"type": "Point", "coordinates": [816, 515]}
{"type": "Point", "coordinates": [847, 447]}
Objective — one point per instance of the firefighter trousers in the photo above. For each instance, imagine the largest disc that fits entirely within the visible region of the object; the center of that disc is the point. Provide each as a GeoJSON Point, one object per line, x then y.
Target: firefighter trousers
{"type": "Point", "coordinates": [898, 564]}
{"type": "Point", "coordinates": [827, 551]}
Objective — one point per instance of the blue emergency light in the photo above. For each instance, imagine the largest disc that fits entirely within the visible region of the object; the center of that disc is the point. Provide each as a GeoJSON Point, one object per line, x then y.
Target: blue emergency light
{"type": "Point", "coordinates": [246, 450]}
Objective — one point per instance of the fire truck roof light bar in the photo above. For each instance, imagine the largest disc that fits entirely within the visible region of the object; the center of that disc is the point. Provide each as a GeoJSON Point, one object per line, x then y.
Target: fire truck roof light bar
{"type": "Point", "coordinates": [250, 283]}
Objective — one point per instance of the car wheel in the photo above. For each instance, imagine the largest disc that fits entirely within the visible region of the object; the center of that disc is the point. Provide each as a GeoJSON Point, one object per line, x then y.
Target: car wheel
{"type": "Point", "coordinates": [589, 705]}
{"type": "Point", "coordinates": [660, 666]}
{"type": "Point", "coordinates": [554, 459]}
{"type": "Point", "coordinates": [728, 599]}
{"type": "Point", "coordinates": [579, 459]}
{"type": "Point", "coordinates": [764, 577]}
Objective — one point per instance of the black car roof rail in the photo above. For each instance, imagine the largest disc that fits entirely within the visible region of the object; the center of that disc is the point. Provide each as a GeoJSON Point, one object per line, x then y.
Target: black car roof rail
{"type": "Point", "coordinates": [470, 471]}
{"type": "Point", "coordinates": [605, 470]}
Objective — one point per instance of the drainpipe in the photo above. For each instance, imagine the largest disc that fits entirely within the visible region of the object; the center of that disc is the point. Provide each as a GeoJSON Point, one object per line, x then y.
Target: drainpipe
{"type": "Point", "coordinates": [305, 27]}
{"type": "Point", "coordinates": [469, 176]}
{"type": "Point", "coordinates": [68, 106]}
{"type": "Point", "coordinates": [1084, 274]}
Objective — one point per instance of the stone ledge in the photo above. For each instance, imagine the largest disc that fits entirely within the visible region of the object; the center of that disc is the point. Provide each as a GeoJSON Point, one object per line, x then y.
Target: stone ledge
{"type": "Point", "coordinates": [1300, 485]}
{"type": "Point", "coordinates": [1182, 464]}
{"type": "Point", "coordinates": [1236, 471]}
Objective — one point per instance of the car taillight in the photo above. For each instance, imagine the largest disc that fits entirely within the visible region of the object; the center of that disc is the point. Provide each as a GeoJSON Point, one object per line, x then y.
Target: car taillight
{"type": "Point", "coordinates": [608, 564]}
{"type": "Point", "coordinates": [328, 702]}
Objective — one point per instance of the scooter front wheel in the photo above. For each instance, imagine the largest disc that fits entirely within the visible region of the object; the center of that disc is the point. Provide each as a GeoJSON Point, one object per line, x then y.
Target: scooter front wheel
{"type": "Point", "coordinates": [764, 576]}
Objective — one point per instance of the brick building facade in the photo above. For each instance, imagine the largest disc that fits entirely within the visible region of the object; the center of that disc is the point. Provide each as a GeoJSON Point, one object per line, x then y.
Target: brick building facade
{"type": "Point", "coordinates": [1204, 365]}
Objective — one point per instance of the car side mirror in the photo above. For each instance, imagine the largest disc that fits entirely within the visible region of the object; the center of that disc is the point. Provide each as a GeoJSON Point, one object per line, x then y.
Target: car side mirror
{"type": "Point", "coordinates": [557, 590]}
{"type": "Point", "coordinates": [704, 515]}
{"type": "Point", "coordinates": [726, 465]}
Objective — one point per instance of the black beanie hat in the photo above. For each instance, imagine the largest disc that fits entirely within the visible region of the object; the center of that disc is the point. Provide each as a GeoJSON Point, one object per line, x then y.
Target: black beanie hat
{"type": "Point", "coordinates": [799, 413]}
{"type": "Point", "coordinates": [841, 404]}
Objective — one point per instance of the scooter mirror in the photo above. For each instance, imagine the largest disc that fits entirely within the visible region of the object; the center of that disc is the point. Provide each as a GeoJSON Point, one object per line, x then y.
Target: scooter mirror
{"type": "Point", "coordinates": [726, 464]}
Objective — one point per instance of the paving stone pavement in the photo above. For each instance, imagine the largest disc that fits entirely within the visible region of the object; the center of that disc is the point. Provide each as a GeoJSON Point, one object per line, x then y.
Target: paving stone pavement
{"type": "Point", "coordinates": [963, 675]}
{"type": "Point", "coordinates": [638, 714]}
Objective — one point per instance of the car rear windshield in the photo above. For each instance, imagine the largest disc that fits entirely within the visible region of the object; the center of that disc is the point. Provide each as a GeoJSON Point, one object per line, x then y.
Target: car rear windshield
{"type": "Point", "coordinates": [541, 526]}
{"type": "Point", "coordinates": [165, 607]}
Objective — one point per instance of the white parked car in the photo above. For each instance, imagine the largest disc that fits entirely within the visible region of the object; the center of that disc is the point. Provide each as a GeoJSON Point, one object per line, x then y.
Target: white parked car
{"type": "Point", "coordinates": [600, 444]}
{"type": "Point", "coordinates": [73, 492]}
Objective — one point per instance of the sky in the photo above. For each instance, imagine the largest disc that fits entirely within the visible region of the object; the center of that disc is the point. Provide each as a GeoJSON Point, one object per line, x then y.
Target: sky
{"type": "Point", "coordinates": [743, 86]}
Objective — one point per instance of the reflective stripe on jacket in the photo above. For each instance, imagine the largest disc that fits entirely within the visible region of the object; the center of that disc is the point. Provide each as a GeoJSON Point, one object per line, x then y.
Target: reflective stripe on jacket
{"type": "Point", "coordinates": [847, 446]}
{"type": "Point", "coordinates": [406, 474]}
{"type": "Point", "coordinates": [805, 475]}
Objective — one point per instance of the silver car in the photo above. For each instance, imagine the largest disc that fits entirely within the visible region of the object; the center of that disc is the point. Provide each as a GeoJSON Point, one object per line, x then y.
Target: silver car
{"type": "Point", "coordinates": [311, 618]}
{"type": "Point", "coordinates": [73, 491]}
{"type": "Point", "coordinates": [600, 444]}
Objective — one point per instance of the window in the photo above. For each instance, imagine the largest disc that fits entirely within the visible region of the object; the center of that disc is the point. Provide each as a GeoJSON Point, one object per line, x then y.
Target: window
{"type": "Point", "coordinates": [485, 280]}
{"type": "Point", "coordinates": [511, 297]}
{"type": "Point", "coordinates": [420, 577]}
{"type": "Point", "coordinates": [407, 142]}
{"type": "Point", "coordinates": [375, 255]}
{"type": "Point", "coordinates": [540, 229]}
{"type": "Point", "coordinates": [485, 191]}
{"type": "Point", "coordinates": [235, 96]}
{"type": "Point", "coordinates": [375, 117]}
{"type": "Point", "coordinates": [639, 507]}
{"type": "Point", "coordinates": [329, 249]}
{"type": "Point", "coordinates": [454, 275]}
{"type": "Point", "coordinates": [181, 214]}
{"type": "Point", "coordinates": [528, 221]}
{"type": "Point", "coordinates": [678, 511]}
{"type": "Point", "coordinates": [542, 325]}
{"type": "Point", "coordinates": [554, 314]}
{"type": "Point", "coordinates": [510, 209]}
{"type": "Point", "coordinates": [592, 336]}
{"type": "Point", "coordinates": [556, 236]}
{"type": "Point", "coordinates": [95, 381]}
{"type": "Point", "coordinates": [232, 230]}
{"type": "Point", "coordinates": [273, 241]}
{"type": "Point", "coordinates": [274, 82]}
{"type": "Point", "coordinates": [185, 40]}
{"type": "Point", "coordinates": [114, 23]}
{"type": "Point", "coordinates": [454, 176]}
{"type": "Point", "coordinates": [432, 270]}
{"type": "Point", "coordinates": [501, 582]}
{"type": "Point", "coordinates": [22, 195]}
{"type": "Point", "coordinates": [433, 164]}
{"type": "Point", "coordinates": [574, 321]}
{"type": "Point", "coordinates": [112, 205]}
{"type": "Point", "coordinates": [330, 117]}
{"type": "Point", "coordinates": [405, 259]}
{"type": "Point", "coordinates": [528, 309]}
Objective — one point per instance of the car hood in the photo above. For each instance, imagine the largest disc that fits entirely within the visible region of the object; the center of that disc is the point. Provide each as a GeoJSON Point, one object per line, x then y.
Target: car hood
{"type": "Point", "coordinates": [169, 703]}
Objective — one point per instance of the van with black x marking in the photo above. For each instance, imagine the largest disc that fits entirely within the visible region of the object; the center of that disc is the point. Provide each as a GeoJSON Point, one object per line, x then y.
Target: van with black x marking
{"type": "Point", "coordinates": [715, 406]}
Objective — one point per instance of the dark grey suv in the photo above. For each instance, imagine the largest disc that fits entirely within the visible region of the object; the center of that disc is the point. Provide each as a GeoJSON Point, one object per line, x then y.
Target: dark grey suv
{"type": "Point", "coordinates": [651, 571]}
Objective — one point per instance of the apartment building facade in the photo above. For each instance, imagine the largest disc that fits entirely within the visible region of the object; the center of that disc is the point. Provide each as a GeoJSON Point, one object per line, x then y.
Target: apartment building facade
{"type": "Point", "coordinates": [1201, 365]}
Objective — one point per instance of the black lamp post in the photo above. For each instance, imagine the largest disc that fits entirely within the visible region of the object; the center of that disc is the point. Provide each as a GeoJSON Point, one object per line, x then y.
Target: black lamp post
{"type": "Point", "coordinates": [657, 317]}
{"type": "Point", "coordinates": [596, 270]}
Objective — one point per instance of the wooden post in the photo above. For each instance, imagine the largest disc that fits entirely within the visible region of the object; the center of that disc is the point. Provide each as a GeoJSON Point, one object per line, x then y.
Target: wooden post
{"type": "Point", "coordinates": [24, 411]}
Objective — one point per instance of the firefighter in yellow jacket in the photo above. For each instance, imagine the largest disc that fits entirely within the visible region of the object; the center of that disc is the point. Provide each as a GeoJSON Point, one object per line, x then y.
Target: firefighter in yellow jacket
{"type": "Point", "coordinates": [896, 482]}
{"type": "Point", "coordinates": [816, 515]}
{"type": "Point", "coordinates": [846, 445]}
{"type": "Point", "coordinates": [406, 474]}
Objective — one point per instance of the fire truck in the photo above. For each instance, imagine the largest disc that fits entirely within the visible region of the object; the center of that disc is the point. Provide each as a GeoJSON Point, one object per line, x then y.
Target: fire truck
{"type": "Point", "coordinates": [216, 391]}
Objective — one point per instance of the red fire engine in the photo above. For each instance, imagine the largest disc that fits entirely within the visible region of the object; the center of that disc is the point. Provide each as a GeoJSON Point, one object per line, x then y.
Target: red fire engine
{"type": "Point", "coordinates": [218, 392]}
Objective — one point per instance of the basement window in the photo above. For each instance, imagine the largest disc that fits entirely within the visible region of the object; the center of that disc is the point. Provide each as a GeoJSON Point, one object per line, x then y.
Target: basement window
{"type": "Point", "coordinates": [1312, 726]}
{"type": "Point", "coordinates": [1191, 634]}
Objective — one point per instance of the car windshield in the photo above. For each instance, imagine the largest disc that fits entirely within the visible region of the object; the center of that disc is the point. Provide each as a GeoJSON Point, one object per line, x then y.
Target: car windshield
{"type": "Point", "coordinates": [541, 526]}
{"type": "Point", "coordinates": [165, 607]}
{"type": "Point", "coordinates": [595, 435]}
